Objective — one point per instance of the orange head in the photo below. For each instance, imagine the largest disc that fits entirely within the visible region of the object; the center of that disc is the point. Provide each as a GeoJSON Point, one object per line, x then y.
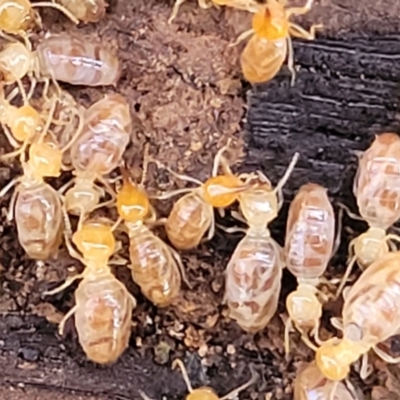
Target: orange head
{"type": "Point", "coordinates": [335, 356]}
{"type": "Point", "coordinates": [271, 22]}
{"type": "Point", "coordinates": [203, 393]}
{"type": "Point", "coordinates": [95, 240]}
{"type": "Point", "coordinates": [223, 190]}
{"type": "Point", "coordinates": [132, 202]}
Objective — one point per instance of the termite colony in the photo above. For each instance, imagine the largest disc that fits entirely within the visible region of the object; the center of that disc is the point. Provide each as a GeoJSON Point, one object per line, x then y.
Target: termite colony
{"type": "Point", "coordinates": [52, 134]}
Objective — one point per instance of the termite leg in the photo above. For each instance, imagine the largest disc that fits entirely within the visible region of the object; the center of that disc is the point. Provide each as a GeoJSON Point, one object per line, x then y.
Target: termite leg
{"type": "Point", "coordinates": [68, 315]}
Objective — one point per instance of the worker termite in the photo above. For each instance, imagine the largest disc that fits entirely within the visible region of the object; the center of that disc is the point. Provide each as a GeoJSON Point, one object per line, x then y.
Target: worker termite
{"type": "Point", "coordinates": [377, 190]}
{"type": "Point", "coordinates": [86, 10]}
{"type": "Point", "coordinates": [103, 308]}
{"type": "Point", "coordinates": [67, 58]}
{"type": "Point", "coordinates": [17, 16]}
{"type": "Point", "coordinates": [253, 274]}
{"type": "Point", "coordinates": [371, 314]}
{"type": "Point", "coordinates": [155, 266]}
{"type": "Point", "coordinates": [193, 215]}
{"type": "Point", "coordinates": [271, 41]}
{"type": "Point", "coordinates": [38, 208]}
{"type": "Point", "coordinates": [205, 392]}
{"type": "Point", "coordinates": [311, 384]}
{"type": "Point", "coordinates": [245, 5]}
{"type": "Point", "coordinates": [96, 152]}
{"type": "Point", "coordinates": [309, 244]}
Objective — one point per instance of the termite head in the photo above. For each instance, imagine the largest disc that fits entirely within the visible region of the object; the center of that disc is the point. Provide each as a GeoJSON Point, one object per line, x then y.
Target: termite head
{"type": "Point", "coordinates": [223, 190]}
{"type": "Point", "coordinates": [95, 240]}
{"type": "Point", "coordinates": [303, 306]}
{"type": "Point", "coordinates": [15, 62]}
{"type": "Point", "coordinates": [204, 393]}
{"type": "Point", "coordinates": [24, 122]}
{"type": "Point", "coordinates": [259, 205]}
{"type": "Point", "coordinates": [271, 22]}
{"type": "Point", "coordinates": [45, 160]}
{"type": "Point", "coordinates": [335, 356]}
{"type": "Point", "coordinates": [133, 204]}
{"type": "Point", "coordinates": [15, 15]}
{"type": "Point", "coordinates": [370, 246]}
{"type": "Point", "coordinates": [83, 197]}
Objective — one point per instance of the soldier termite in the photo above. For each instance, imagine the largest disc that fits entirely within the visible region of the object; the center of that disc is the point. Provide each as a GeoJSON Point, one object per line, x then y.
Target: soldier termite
{"type": "Point", "coordinates": [377, 190]}
{"type": "Point", "coordinates": [271, 41]}
{"type": "Point", "coordinates": [253, 274]}
{"type": "Point", "coordinates": [103, 306]}
{"type": "Point", "coordinates": [309, 244]}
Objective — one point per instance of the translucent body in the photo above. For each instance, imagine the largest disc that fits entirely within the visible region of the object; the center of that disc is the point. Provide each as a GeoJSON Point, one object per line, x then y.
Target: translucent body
{"type": "Point", "coordinates": [311, 384]}
{"type": "Point", "coordinates": [377, 184]}
{"type": "Point", "coordinates": [310, 233]}
{"type": "Point", "coordinates": [39, 220]}
{"type": "Point", "coordinates": [376, 187]}
{"type": "Point", "coordinates": [371, 314]}
{"type": "Point", "coordinates": [253, 281]}
{"type": "Point", "coordinates": [267, 49]}
{"type": "Point", "coordinates": [190, 218]}
{"type": "Point", "coordinates": [86, 10]}
{"type": "Point", "coordinates": [193, 214]}
{"type": "Point", "coordinates": [69, 59]}
{"type": "Point", "coordinates": [103, 315]}
{"type": "Point", "coordinates": [104, 137]}
{"type": "Point", "coordinates": [98, 150]}
{"type": "Point", "coordinates": [103, 306]}
{"type": "Point", "coordinates": [153, 267]}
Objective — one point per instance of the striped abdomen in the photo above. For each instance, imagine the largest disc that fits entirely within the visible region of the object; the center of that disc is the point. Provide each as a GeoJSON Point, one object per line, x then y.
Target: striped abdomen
{"type": "Point", "coordinates": [253, 282]}
{"type": "Point", "coordinates": [189, 220]}
{"type": "Point", "coordinates": [103, 317]}
{"type": "Point", "coordinates": [310, 233]}
{"type": "Point", "coordinates": [154, 269]}
{"type": "Point", "coordinates": [371, 312]}
{"type": "Point", "coordinates": [69, 59]}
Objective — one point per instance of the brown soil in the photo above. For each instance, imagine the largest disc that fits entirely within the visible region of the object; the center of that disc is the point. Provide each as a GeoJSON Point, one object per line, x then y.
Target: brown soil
{"type": "Point", "coordinates": [187, 98]}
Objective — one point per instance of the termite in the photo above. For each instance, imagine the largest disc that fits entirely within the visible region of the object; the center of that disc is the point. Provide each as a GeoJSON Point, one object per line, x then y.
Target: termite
{"type": "Point", "coordinates": [309, 245]}
{"type": "Point", "coordinates": [96, 152]}
{"type": "Point", "coordinates": [193, 214]}
{"type": "Point", "coordinates": [371, 314]}
{"type": "Point", "coordinates": [245, 5]}
{"type": "Point", "coordinates": [377, 190]}
{"type": "Point", "coordinates": [36, 205]}
{"type": "Point", "coordinates": [103, 306]}
{"type": "Point", "coordinates": [86, 10]}
{"type": "Point", "coordinates": [271, 41]}
{"type": "Point", "coordinates": [60, 57]}
{"type": "Point", "coordinates": [67, 58]}
{"type": "Point", "coordinates": [155, 266]}
{"type": "Point", "coordinates": [253, 274]}
{"type": "Point", "coordinates": [205, 392]}
{"type": "Point", "coordinates": [17, 16]}
{"type": "Point", "coordinates": [311, 384]}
